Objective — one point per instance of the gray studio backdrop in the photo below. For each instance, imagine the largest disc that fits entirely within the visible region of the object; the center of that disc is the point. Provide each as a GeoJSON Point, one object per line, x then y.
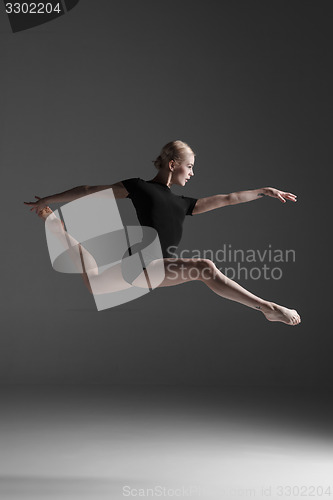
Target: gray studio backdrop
{"type": "Point", "coordinates": [90, 98]}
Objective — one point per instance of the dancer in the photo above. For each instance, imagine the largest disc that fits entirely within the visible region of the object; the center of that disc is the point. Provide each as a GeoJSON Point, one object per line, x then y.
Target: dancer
{"type": "Point", "coordinates": [156, 206]}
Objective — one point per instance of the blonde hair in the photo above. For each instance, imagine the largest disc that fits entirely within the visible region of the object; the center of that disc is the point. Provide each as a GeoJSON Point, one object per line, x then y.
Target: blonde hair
{"type": "Point", "coordinates": [174, 150]}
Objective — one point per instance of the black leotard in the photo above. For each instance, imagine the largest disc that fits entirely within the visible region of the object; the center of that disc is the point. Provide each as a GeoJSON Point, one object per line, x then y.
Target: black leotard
{"type": "Point", "coordinates": [156, 206]}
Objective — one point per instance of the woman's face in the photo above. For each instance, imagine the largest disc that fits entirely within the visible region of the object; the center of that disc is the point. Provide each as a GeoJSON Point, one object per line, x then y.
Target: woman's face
{"type": "Point", "coordinates": [183, 170]}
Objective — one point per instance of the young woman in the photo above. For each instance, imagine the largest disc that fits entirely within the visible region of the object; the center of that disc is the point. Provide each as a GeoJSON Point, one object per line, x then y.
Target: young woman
{"type": "Point", "coordinates": [158, 207]}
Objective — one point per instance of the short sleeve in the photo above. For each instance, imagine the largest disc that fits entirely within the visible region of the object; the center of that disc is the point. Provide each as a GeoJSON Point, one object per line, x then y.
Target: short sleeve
{"type": "Point", "coordinates": [131, 186]}
{"type": "Point", "coordinates": [190, 203]}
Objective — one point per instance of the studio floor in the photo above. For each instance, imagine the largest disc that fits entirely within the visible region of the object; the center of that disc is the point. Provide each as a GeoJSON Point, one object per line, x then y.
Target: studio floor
{"type": "Point", "coordinates": [112, 443]}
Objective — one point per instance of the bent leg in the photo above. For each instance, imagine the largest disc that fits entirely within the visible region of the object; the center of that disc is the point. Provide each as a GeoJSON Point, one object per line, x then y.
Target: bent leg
{"type": "Point", "coordinates": [82, 259]}
{"type": "Point", "coordinates": [108, 281]}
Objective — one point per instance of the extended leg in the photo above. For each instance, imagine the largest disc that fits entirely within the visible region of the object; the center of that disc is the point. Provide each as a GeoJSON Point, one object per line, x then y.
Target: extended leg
{"type": "Point", "coordinates": [179, 271]}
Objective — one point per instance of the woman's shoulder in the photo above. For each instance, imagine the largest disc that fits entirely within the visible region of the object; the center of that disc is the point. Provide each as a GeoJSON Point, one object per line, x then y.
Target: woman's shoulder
{"type": "Point", "coordinates": [134, 180]}
{"type": "Point", "coordinates": [134, 185]}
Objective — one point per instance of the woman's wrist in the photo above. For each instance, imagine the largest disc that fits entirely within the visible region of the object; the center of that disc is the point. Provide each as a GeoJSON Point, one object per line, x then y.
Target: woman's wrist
{"type": "Point", "coordinates": [262, 192]}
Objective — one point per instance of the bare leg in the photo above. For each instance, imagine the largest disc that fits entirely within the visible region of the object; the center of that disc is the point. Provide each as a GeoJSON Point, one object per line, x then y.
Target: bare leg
{"type": "Point", "coordinates": [179, 271]}
{"type": "Point", "coordinates": [110, 280]}
{"type": "Point", "coordinates": [78, 254]}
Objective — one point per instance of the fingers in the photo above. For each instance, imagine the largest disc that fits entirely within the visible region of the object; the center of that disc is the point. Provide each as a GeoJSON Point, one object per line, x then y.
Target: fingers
{"type": "Point", "coordinates": [282, 196]}
{"type": "Point", "coordinates": [32, 202]}
{"type": "Point", "coordinates": [290, 196]}
{"type": "Point", "coordinates": [35, 205]}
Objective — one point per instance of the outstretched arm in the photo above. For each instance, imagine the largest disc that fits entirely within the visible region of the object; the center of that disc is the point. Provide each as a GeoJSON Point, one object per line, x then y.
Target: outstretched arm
{"type": "Point", "coordinates": [119, 191]}
{"type": "Point", "coordinates": [222, 200]}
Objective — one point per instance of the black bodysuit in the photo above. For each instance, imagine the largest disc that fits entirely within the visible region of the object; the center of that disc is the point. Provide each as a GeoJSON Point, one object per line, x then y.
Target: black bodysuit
{"type": "Point", "coordinates": [156, 206]}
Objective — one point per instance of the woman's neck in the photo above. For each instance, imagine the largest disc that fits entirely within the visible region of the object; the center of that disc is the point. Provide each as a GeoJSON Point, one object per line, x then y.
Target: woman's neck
{"type": "Point", "coordinates": [163, 177]}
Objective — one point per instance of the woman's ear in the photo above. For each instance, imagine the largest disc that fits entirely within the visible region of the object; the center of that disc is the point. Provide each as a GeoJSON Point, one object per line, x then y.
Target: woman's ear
{"type": "Point", "coordinates": [171, 164]}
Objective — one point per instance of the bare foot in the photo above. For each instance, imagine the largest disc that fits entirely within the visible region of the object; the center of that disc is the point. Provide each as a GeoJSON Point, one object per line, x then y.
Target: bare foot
{"type": "Point", "coordinates": [274, 312]}
{"type": "Point", "coordinates": [53, 222]}
{"type": "Point", "coordinates": [44, 213]}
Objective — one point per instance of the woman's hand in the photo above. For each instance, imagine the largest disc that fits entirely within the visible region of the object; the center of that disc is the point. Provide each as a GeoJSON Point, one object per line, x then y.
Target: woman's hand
{"type": "Point", "coordinates": [37, 205]}
{"type": "Point", "coordinates": [280, 195]}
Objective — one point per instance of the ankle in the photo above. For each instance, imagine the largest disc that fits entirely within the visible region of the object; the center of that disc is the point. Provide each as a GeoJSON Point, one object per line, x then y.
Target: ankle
{"type": "Point", "coordinates": [265, 306]}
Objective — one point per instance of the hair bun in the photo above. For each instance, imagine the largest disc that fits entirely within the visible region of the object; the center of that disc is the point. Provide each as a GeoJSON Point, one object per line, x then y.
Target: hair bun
{"type": "Point", "coordinates": [174, 150]}
{"type": "Point", "coordinates": [158, 162]}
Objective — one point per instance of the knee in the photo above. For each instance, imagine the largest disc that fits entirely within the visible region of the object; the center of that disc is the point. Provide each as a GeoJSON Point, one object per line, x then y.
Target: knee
{"type": "Point", "coordinates": [207, 269]}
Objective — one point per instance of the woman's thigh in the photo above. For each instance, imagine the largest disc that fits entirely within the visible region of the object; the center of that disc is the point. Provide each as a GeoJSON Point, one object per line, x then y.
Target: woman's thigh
{"type": "Point", "coordinates": [159, 273]}
{"type": "Point", "coordinates": [177, 271]}
{"type": "Point", "coordinates": [110, 280]}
